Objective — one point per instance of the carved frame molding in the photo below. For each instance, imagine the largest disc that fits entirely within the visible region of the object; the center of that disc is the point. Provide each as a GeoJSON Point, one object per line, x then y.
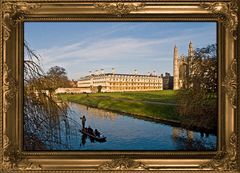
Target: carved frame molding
{"type": "Point", "coordinates": [12, 13]}
{"type": "Point", "coordinates": [227, 13]}
{"type": "Point", "coordinates": [13, 158]}
{"type": "Point", "coordinates": [230, 83]}
{"type": "Point", "coordinates": [119, 9]}
{"type": "Point", "coordinates": [225, 160]}
{"type": "Point", "coordinates": [122, 163]}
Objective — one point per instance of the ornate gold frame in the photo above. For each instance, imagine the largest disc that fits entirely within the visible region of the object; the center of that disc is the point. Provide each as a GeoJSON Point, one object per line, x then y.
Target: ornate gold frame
{"type": "Point", "coordinates": [15, 12]}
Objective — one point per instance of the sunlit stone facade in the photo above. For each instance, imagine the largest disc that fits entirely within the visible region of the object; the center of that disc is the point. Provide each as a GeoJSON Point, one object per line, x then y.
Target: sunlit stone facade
{"type": "Point", "coordinates": [181, 67]}
{"type": "Point", "coordinates": [111, 82]}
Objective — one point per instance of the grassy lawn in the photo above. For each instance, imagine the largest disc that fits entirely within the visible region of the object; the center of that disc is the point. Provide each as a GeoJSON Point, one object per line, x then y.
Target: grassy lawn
{"type": "Point", "coordinates": [137, 103]}
{"type": "Point", "coordinates": [166, 96]}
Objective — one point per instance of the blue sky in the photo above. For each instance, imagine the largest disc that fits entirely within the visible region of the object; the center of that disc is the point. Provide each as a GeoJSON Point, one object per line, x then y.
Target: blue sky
{"type": "Point", "coordinates": [146, 46]}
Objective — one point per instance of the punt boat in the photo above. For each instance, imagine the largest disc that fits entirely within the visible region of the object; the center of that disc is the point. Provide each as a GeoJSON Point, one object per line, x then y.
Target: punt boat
{"type": "Point", "coordinates": [99, 139]}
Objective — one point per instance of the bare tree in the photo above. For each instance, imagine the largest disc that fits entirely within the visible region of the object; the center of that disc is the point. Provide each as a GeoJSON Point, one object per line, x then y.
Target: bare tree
{"type": "Point", "coordinates": [42, 113]}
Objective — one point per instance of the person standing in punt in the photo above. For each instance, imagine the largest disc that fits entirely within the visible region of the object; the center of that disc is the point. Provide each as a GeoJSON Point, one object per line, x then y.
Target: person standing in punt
{"type": "Point", "coordinates": [83, 121]}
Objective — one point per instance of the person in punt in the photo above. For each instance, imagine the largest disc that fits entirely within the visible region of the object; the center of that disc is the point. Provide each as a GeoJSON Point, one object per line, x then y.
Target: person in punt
{"type": "Point", "coordinates": [90, 130]}
{"type": "Point", "coordinates": [97, 133]}
{"type": "Point", "coordinates": [83, 121]}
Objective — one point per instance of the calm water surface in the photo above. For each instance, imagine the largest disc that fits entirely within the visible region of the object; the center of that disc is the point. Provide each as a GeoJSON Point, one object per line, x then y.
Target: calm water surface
{"type": "Point", "coordinates": [124, 132]}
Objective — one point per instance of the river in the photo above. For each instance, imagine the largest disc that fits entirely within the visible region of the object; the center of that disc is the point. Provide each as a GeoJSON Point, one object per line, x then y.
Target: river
{"type": "Point", "coordinates": [125, 132]}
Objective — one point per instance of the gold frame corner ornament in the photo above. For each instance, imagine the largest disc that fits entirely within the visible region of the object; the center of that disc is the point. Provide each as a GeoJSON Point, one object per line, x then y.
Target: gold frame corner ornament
{"type": "Point", "coordinates": [13, 158]}
{"type": "Point", "coordinates": [227, 13]}
{"type": "Point", "coordinates": [122, 163]}
{"type": "Point", "coordinates": [119, 9]}
{"type": "Point", "coordinates": [225, 160]}
{"type": "Point", "coordinates": [230, 83]}
{"type": "Point", "coordinates": [13, 12]}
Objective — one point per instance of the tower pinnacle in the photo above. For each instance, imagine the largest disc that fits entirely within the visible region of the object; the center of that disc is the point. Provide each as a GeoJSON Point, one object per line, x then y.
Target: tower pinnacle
{"type": "Point", "coordinates": [175, 68]}
{"type": "Point", "coordinates": [190, 49]}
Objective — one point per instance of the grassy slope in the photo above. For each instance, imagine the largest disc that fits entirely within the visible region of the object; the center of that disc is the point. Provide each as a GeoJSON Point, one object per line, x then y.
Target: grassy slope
{"type": "Point", "coordinates": [130, 102]}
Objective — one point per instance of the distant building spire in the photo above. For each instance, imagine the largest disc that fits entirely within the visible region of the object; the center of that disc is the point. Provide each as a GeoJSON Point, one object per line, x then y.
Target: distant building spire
{"type": "Point", "coordinates": [190, 49]}
{"type": "Point", "coordinates": [175, 68]}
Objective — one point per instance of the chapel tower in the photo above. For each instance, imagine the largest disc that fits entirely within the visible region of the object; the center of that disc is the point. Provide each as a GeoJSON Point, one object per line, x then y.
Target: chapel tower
{"type": "Point", "coordinates": [175, 69]}
{"type": "Point", "coordinates": [180, 79]}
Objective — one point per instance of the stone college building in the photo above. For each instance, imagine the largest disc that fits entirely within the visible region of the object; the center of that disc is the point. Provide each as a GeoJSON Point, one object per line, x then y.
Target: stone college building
{"type": "Point", "coordinates": [114, 82]}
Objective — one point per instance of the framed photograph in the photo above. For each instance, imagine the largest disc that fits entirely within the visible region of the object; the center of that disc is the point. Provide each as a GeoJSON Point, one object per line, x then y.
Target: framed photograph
{"type": "Point", "coordinates": [119, 85]}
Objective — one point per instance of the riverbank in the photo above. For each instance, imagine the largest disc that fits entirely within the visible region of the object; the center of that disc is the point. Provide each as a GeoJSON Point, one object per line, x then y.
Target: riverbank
{"type": "Point", "coordinates": [157, 104]}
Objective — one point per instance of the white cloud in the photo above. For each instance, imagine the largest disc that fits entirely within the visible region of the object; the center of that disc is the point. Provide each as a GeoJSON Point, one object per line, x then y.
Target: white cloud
{"type": "Point", "coordinates": [99, 50]}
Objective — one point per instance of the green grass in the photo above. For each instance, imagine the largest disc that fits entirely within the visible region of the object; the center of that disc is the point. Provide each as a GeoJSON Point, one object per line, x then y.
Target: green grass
{"type": "Point", "coordinates": [166, 96]}
{"type": "Point", "coordinates": [137, 103]}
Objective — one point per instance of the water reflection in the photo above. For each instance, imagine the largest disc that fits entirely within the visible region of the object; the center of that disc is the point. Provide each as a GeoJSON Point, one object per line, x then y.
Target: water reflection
{"type": "Point", "coordinates": [84, 137]}
{"type": "Point", "coordinates": [188, 140]}
{"type": "Point", "coordinates": [123, 132]}
{"type": "Point", "coordinates": [93, 112]}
